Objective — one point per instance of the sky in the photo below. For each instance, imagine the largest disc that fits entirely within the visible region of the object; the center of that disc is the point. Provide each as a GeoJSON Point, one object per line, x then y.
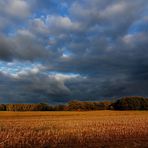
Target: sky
{"type": "Point", "coordinates": [57, 51]}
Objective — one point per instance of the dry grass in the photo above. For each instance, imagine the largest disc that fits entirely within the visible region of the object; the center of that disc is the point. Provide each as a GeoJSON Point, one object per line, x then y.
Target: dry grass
{"type": "Point", "coordinates": [96, 129]}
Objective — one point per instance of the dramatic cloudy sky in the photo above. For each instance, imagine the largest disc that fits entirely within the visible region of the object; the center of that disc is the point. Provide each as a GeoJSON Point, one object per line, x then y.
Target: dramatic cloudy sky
{"type": "Point", "coordinates": [55, 51]}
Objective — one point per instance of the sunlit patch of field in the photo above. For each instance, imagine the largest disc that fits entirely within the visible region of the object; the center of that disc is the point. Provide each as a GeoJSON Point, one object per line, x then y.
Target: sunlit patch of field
{"type": "Point", "coordinates": [94, 129]}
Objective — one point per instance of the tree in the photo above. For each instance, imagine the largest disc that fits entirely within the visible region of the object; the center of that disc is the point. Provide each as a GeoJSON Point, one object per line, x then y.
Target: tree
{"type": "Point", "coordinates": [131, 103]}
{"type": "Point", "coordinates": [2, 107]}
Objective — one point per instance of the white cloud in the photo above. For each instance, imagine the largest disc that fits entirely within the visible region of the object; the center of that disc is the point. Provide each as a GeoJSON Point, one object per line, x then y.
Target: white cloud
{"type": "Point", "coordinates": [115, 9]}
{"type": "Point", "coordinates": [134, 39]}
{"type": "Point", "coordinates": [15, 70]}
{"type": "Point", "coordinates": [38, 26]}
{"type": "Point", "coordinates": [15, 8]}
{"type": "Point", "coordinates": [63, 77]}
{"type": "Point", "coordinates": [26, 33]}
{"type": "Point", "coordinates": [58, 24]}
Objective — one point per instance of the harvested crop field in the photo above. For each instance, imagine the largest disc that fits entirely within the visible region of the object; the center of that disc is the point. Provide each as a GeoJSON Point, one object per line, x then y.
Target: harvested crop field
{"type": "Point", "coordinates": [94, 129]}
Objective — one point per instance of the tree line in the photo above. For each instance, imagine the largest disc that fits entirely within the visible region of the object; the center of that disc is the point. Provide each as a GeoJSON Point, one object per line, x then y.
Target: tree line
{"type": "Point", "coordinates": [124, 103]}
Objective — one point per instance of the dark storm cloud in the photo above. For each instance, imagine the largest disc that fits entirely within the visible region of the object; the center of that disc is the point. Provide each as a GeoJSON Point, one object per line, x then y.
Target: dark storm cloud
{"type": "Point", "coordinates": [23, 46]}
{"type": "Point", "coordinates": [89, 49]}
{"type": "Point", "coordinates": [33, 87]}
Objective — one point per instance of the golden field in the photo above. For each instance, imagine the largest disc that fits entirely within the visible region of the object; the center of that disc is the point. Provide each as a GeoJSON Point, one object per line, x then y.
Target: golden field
{"type": "Point", "coordinates": [94, 129]}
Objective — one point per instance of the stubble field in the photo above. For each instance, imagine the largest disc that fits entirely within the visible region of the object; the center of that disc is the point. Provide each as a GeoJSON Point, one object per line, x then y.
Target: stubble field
{"type": "Point", "coordinates": [94, 129]}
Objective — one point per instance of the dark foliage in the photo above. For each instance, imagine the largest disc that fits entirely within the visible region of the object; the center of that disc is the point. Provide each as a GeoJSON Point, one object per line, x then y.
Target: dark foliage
{"type": "Point", "coordinates": [131, 103]}
{"type": "Point", "coordinates": [86, 106]}
{"type": "Point", "coordinates": [27, 107]}
{"type": "Point", "coordinates": [125, 103]}
{"type": "Point", "coordinates": [2, 107]}
{"type": "Point", "coordinates": [71, 106]}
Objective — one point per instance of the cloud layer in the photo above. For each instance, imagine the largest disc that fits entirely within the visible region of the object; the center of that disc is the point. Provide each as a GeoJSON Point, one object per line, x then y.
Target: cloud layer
{"type": "Point", "coordinates": [54, 52]}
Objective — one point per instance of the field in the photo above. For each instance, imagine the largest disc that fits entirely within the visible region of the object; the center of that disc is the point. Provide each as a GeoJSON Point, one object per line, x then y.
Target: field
{"type": "Point", "coordinates": [94, 129]}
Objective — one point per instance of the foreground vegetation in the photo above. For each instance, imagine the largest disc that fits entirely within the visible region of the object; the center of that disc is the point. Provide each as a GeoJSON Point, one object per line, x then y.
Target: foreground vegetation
{"type": "Point", "coordinates": [94, 129]}
{"type": "Point", "coordinates": [125, 103]}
